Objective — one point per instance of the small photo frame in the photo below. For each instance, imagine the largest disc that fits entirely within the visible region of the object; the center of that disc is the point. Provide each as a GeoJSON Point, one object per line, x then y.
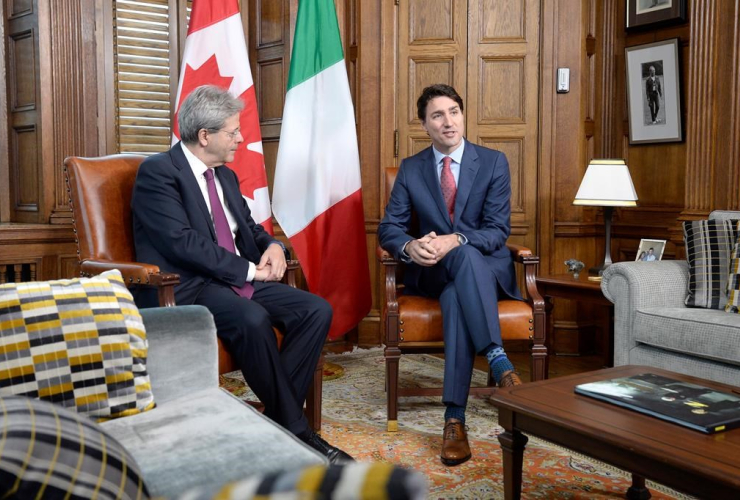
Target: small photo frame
{"type": "Point", "coordinates": [650, 250]}
{"type": "Point", "coordinates": [651, 13]}
{"type": "Point", "coordinates": [654, 92]}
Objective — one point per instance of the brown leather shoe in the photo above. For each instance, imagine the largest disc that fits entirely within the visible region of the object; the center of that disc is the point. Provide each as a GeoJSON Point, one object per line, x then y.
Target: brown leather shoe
{"type": "Point", "coordinates": [509, 379]}
{"type": "Point", "coordinates": [455, 447]}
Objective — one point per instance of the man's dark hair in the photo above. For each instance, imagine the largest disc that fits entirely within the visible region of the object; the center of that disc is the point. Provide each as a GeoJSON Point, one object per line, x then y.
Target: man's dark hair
{"type": "Point", "coordinates": [436, 90]}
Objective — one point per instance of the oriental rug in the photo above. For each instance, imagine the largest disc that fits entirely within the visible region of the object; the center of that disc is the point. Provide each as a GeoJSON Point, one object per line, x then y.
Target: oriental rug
{"type": "Point", "coordinates": [354, 418]}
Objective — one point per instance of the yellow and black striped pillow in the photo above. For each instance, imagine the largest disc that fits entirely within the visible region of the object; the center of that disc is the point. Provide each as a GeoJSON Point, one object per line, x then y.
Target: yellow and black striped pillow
{"type": "Point", "coordinates": [79, 343]}
{"type": "Point", "coordinates": [733, 280]}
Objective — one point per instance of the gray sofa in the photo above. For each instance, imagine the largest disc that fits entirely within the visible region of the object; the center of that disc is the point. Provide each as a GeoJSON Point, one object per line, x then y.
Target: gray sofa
{"type": "Point", "coordinates": [653, 327]}
{"type": "Point", "coordinates": [198, 434]}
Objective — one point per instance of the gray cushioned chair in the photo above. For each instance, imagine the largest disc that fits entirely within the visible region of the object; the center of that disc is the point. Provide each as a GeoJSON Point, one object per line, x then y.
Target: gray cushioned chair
{"type": "Point", "coordinates": [198, 434]}
{"type": "Point", "coordinates": [653, 327]}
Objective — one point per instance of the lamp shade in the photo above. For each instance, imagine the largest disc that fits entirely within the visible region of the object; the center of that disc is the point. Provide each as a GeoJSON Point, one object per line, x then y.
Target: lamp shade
{"type": "Point", "coordinates": [607, 183]}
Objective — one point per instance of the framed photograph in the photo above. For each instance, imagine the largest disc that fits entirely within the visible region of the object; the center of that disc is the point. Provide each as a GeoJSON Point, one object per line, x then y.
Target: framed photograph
{"type": "Point", "coordinates": [654, 92]}
{"type": "Point", "coordinates": [650, 250]}
{"type": "Point", "coordinates": [644, 13]}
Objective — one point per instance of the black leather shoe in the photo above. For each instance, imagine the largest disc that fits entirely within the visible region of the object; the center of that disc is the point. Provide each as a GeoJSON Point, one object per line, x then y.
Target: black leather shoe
{"type": "Point", "coordinates": [334, 454]}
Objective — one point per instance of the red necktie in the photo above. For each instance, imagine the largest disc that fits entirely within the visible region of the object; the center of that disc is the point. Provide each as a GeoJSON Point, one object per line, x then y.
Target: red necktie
{"type": "Point", "coordinates": [449, 190]}
{"type": "Point", "coordinates": [223, 231]}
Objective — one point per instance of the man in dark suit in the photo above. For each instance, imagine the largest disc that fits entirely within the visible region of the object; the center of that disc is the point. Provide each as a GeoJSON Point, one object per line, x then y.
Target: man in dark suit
{"type": "Point", "coordinates": [196, 224]}
{"type": "Point", "coordinates": [460, 193]}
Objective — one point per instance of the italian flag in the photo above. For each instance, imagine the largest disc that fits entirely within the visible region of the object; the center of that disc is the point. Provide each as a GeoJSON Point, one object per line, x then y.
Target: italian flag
{"type": "Point", "coordinates": [317, 196]}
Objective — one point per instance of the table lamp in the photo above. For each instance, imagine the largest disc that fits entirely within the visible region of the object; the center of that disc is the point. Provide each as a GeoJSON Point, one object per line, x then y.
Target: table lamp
{"type": "Point", "coordinates": [607, 183]}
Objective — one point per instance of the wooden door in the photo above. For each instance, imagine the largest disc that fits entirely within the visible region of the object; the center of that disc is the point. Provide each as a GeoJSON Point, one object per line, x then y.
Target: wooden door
{"type": "Point", "coordinates": [489, 51]}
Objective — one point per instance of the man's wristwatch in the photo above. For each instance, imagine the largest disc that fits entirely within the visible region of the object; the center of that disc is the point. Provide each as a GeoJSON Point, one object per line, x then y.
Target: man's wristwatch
{"type": "Point", "coordinates": [460, 239]}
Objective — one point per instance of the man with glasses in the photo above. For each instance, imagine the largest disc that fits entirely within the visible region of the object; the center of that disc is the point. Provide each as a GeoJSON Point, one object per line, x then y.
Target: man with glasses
{"type": "Point", "coordinates": [191, 219]}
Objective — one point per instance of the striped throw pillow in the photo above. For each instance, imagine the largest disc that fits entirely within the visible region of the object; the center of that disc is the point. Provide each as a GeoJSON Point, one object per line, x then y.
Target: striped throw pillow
{"type": "Point", "coordinates": [366, 481]}
{"type": "Point", "coordinates": [733, 280]}
{"type": "Point", "coordinates": [709, 245]}
{"type": "Point", "coordinates": [50, 452]}
{"type": "Point", "coordinates": [78, 343]}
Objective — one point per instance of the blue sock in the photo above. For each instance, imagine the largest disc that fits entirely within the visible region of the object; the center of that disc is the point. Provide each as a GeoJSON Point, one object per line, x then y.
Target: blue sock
{"type": "Point", "coordinates": [457, 412]}
{"type": "Point", "coordinates": [498, 361]}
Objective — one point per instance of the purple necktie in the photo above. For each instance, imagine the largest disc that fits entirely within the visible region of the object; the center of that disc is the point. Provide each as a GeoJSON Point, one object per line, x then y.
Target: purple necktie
{"type": "Point", "coordinates": [223, 231]}
{"type": "Point", "coordinates": [447, 182]}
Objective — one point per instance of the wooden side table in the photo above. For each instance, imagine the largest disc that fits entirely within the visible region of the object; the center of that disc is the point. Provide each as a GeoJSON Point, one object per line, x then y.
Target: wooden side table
{"type": "Point", "coordinates": [583, 290]}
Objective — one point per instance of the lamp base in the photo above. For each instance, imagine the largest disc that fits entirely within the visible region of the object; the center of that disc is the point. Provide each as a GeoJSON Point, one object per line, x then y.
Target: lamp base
{"type": "Point", "coordinates": [598, 271]}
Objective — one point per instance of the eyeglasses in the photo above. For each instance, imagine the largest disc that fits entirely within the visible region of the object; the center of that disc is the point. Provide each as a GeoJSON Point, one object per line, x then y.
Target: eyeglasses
{"type": "Point", "coordinates": [230, 134]}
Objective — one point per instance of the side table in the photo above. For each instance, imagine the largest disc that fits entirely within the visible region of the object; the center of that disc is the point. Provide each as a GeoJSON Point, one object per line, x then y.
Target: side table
{"type": "Point", "coordinates": [583, 290]}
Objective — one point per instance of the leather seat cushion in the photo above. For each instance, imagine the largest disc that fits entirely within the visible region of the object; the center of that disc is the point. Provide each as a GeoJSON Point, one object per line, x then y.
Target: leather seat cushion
{"type": "Point", "coordinates": [421, 319]}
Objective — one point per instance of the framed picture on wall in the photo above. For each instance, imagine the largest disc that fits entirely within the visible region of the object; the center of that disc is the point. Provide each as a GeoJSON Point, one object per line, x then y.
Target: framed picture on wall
{"type": "Point", "coordinates": [650, 250]}
{"type": "Point", "coordinates": [653, 92]}
{"type": "Point", "coordinates": [644, 13]}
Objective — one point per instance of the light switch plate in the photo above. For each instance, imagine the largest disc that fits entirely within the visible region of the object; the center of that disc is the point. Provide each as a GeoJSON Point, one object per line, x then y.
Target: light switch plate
{"type": "Point", "coordinates": [563, 80]}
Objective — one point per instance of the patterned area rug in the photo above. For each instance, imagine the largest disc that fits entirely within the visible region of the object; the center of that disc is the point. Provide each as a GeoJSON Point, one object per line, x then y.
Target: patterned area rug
{"type": "Point", "coordinates": [354, 419]}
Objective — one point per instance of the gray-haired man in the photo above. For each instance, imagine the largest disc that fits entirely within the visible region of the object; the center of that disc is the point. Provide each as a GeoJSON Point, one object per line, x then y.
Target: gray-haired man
{"type": "Point", "coordinates": [191, 219]}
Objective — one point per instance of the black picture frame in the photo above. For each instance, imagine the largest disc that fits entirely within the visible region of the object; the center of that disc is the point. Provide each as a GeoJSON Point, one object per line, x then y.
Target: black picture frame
{"type": "Point", "coordinates": [654, 92]}
{"type": "Point", "coordinates": [653, 13]}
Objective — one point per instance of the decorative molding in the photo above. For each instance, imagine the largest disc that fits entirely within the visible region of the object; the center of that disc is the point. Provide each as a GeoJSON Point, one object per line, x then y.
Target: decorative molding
{"type": "Point", "coordinates": [733, 184]}
{"type": "Point", "coordinates": [700, 167]}
{"type": "Point", "coordinates": [608, 100]}
{"type": "Point", "coordinates": [68, 86]}
{"type": "Point", "coordinates": [28, 234]}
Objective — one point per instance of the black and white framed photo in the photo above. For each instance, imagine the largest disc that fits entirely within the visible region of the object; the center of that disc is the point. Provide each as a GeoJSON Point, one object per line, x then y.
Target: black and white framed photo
{"type": "Point", "coordinates": [653, 92]}
{"type": "Point", "coordinates": [650, 13]}
{"type": "Point", "coordinates": [650, 250]}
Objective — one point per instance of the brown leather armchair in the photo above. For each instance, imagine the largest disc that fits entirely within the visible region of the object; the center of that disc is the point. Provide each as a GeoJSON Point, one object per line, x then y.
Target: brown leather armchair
{"type": "Point", "coordinates": [412, 324]}
{"type": "Point", "coordinates": [100, 191]}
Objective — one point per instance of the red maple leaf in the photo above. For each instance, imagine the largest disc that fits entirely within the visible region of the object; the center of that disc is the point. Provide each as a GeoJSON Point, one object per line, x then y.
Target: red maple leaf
{"type": "Point", "coordinates": [207, 74]}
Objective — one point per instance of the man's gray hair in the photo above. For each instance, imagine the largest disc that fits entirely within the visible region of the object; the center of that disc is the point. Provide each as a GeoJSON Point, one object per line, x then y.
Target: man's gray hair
{"type": "Point", "coordinates": [206, 107]}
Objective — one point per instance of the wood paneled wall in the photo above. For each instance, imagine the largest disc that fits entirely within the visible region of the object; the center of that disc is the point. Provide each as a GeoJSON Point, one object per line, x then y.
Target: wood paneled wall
{"type": "Point", "coordinates": [55, 56]}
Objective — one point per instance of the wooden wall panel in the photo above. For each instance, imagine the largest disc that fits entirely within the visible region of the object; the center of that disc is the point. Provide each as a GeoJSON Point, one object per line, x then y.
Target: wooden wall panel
{"type": "Point", "coordinates": [503, 98]}
{"type": "Point", "coordinates": [497, 74]}
{"type": "Point", "coordinates": [19, 8]}
{"type": "Point", "coordinates": [432, 21]}
{"type": "Point", "coordinates": [25, 196]}
{"type": "Point", "coordinates": [431, 40]}
{"type": "Point", "coordinates": [502, 20]}
{"type": "Point", "coordinates": [22, 71]}
{"type": "Point", "coordinates": [24, 152]}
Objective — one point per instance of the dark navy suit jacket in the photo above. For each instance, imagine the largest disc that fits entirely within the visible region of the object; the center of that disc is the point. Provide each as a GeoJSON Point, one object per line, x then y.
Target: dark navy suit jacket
{"type": "Point", "coordinates": [482, 210]}
{"type": "Point", "coordinates": [173, 228]}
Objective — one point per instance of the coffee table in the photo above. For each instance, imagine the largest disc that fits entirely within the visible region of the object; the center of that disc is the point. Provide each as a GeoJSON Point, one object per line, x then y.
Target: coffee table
{"type": "Point", "coordinates": [704, 465]}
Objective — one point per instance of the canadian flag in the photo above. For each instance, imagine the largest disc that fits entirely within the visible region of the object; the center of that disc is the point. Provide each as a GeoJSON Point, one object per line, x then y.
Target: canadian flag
{"type": "Point", "coordinates": [216, 54]}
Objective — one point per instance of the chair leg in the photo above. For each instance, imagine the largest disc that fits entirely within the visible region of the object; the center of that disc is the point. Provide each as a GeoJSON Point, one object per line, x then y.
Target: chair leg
{"type": "Point", "coordinates": [313, 400]}
{"type": "Point", "coordinates": [392, 357]}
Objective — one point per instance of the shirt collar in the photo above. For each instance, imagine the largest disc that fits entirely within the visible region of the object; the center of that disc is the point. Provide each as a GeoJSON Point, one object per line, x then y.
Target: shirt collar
{"type": "Point", "coordinates": [456, 155]}
{"type": "Point", "coordinates": [199, 168]}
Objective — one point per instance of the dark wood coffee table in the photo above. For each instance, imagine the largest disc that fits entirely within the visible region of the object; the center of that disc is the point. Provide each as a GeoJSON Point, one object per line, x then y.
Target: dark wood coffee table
{"type": "Point", "coordinates": [704, 465]}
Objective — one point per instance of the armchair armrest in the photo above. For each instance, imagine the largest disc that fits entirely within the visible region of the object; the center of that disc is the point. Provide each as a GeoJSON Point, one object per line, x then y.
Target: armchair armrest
{"type": "Point", "coordinates": [183, 353]}
{"type": "Point", "coordinates": [632, 286]}
{"type": "Point", "coordinates": [290, 273]}
{"type": "Point", "coordinates": [137, 273]}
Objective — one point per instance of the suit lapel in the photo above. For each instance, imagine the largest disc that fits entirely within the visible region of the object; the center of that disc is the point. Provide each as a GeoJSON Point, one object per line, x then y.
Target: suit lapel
{"type": "Point", "coordinates": [429, 174]}
{"type": "Point", "coordinates": [468, 171]}
{"type": "Point", "coordinates": [190, 183]}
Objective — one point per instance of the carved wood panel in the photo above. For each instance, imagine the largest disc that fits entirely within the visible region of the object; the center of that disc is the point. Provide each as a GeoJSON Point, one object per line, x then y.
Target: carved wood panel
{"type": "Point", "coordinates": [503, 97]}
{"type": "Point", "coordinates": [432, 48]}
{"type": "Point", "coordinates": [23, 113]}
